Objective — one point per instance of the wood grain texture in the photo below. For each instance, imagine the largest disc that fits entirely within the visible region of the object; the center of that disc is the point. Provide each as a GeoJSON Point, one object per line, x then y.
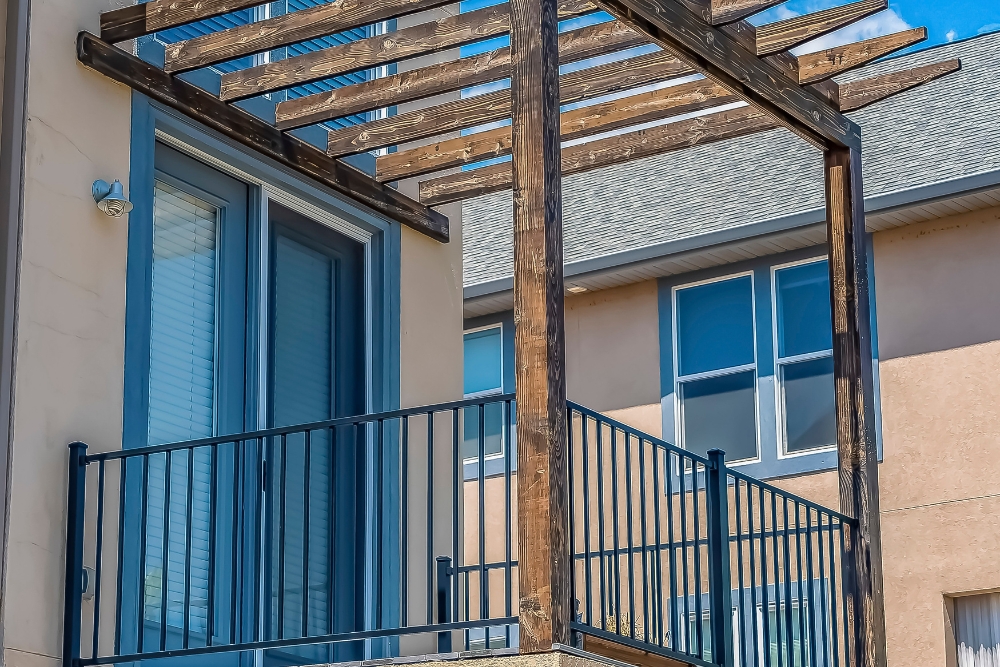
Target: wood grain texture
{"type": "Point", "coordinates": [858, 94]}
{"type": "Point", "coordinates": [250, 131]}
{"type": "Point", "coordinates": [787, 34]}
{"type": "Point", "coordinates": [450, 76]}
{"type": "Point", "coordinates": [581, 122]}
{"type": "Point", "coordinates": [419, 40]}
{"type": "Point", "coordinates": [821, 65]}
{"type": "Point", "coordinates": [604, 152]}
{"type": "Point", "coordinates": [145, 18]}
{"type": "Point", "coordinates": [480, 109]}
{"type": "Point", "coordinates": [545, 606]}
{"type": "Point", "coordinates": [720, 57]}
{"type": "Point", "coordinates": [855, 402]}
{"type": "Point", "coordinates": [727, 11]}
{"type": "Point", "coordinates": [318, 21]}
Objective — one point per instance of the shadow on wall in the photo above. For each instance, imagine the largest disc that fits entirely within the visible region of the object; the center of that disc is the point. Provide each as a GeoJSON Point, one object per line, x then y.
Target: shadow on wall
{"type": "Point", "coordinates": [938, 284]}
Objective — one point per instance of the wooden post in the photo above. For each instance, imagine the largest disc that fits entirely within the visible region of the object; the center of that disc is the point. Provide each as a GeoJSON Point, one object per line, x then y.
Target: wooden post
{"type": "Point", "coordinates": [855, 397]}
{"type": "Point", "coordinates": [545, 606]}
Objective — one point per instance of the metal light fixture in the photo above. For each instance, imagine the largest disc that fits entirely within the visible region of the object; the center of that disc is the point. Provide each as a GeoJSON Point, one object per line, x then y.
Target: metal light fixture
{"type": "Point", "coordinates": [111, 198]}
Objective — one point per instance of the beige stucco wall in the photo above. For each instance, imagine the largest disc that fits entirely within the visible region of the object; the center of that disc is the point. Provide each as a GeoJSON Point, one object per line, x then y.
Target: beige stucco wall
{"type": "Point", "coordinates": [939, 344]}
{"type": "Point", "coordinates": [70, 342]}
{"type": "Point", "coordinates": [613, 353]}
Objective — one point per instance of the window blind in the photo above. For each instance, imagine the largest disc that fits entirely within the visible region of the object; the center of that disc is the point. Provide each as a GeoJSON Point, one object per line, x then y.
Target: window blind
{"type": "Point", "coordinates": [977, 630]}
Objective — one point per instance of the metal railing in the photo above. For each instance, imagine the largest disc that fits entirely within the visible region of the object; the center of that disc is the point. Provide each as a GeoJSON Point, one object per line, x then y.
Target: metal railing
{"type": "Point", "coordinates": [396, 534]}
{"type": "Point", "coordinates": [678, 555]}
{"type": "Point", "coordinates": [338, 540]}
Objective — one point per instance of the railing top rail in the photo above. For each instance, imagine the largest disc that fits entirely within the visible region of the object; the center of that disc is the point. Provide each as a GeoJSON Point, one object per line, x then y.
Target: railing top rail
{"type": "Point", "coordinates": [297, 428]}
{"type": "Point", "coordinates": [637, 433]}
{"type": "Point", "coordinates": [791, 496]}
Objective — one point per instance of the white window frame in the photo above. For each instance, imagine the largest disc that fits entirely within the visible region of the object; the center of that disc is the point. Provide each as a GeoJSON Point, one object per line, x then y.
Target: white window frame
{"type": "Point", "coordinates": [779, 362]}
{"type": "Point", "coordinates": [678, 379]}
{"type": "Point", "coordinates": [487, 392]}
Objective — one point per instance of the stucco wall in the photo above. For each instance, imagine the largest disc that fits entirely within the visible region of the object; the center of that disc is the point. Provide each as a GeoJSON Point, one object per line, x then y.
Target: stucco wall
{"type": "Point", "coordinates": [613, 354]}
{"type": "Point", "coordinates": [70, 329]}
{"type": "Point", "coordinates": [939, 344]}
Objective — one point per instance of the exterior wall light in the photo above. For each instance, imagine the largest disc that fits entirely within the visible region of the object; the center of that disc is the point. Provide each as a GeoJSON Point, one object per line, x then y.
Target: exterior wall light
{"type": "Point", "coordinates": [111, 198]}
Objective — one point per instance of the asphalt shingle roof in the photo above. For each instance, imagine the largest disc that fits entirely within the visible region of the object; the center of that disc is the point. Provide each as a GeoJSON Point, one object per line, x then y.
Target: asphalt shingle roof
{"type": "Point", "coordinates": [947, 129]}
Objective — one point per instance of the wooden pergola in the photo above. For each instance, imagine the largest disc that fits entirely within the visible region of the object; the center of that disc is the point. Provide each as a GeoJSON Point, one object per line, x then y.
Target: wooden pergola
{"type": "Point", "coordinates": [739, 62]}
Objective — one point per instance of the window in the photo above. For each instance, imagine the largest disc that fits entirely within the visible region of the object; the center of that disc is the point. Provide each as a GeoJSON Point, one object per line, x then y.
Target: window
{"type": "Point", "coordinates": [483, 376]}
{"type": "Point", "coordinates": [716, 362]}
{"type": "Point", "coordinates": [804, 356]}
{"type": "Point", "coordinates": [977, 630]}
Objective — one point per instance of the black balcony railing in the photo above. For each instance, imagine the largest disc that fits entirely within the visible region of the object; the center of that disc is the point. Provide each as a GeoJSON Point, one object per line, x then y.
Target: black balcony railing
{"type": "Point", "coordinates": [396, 534]}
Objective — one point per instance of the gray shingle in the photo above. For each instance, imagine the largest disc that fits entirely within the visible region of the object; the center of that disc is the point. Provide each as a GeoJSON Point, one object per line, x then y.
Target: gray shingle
{"type": "Point", "coordinates": [938, 132]}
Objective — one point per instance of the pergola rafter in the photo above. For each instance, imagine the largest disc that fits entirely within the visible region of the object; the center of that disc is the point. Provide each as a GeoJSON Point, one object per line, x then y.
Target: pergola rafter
{"type": "Point", "coordinates": [729, 61]}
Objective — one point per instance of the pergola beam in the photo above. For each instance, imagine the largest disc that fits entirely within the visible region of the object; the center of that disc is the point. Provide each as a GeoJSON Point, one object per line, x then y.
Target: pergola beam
{"type": "Point", "coordinates": [446, 77]}
{"type": "Point", "coordinates": [480, 109]}
{"type": "Point", "coordinates": [149, 17]}
{"type": "Point", "coordinates": [250, 131]}
{"type": "Point", "coordinates": [723, 59]}
{"type": "Point", "coordinates": [784, 35]}
{"type": "Point", "coordinates": [580, 122]}
{"type": "Point", "coordinates": [858, 94]}
{"type": "Point", "coordinates": [828, 63]}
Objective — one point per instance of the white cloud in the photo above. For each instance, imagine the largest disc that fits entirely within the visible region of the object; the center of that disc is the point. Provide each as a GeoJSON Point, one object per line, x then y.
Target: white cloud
{"type": "Point", "coordinates": [989, 27]}
{"type": "Point", "coordinates": [951, 35]}
{"type": "Point", "coordinates": [880, 24]}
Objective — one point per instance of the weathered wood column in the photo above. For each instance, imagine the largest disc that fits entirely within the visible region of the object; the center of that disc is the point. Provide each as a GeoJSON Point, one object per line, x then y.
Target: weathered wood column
{"type": "Point", "coordinates": [855, 396]}
{"type": "Point", "coordinates": [542, 474]}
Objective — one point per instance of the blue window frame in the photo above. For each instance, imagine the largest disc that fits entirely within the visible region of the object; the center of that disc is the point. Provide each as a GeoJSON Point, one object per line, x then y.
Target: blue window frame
{"type": "Point", "coordinates": [483, 376]}
{"type": "Point", "coordinates": [753, 342]}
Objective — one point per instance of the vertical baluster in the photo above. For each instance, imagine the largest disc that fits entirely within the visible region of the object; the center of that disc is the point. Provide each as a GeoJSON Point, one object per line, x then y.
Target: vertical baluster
{"type": "Point", "coordinates": [258, 545]}
{"type": "Point", "coordinates": [588, 562]}
{"type": "Point", "coordinates": [628, 533]}
{"type": "Point", "coordinates": [809, 599]}
{"type": "Point", "coordinates": [599, 434]}
{"type": "Point", "coordinates": [642, 536]}
{"type": "Point", "coordinates": [572, 512]}
{"type": "Point", "coordinates": [741, 612]}
{"type": "Point", "coordinates": [616, 510]}
{"type": "Point", "coordinates": [658, 572]}
{"type": "Point", "coordinates": [119, 590]}
{"type": "Point", "coordinates": [306, 526]}
{"type": "Point", "coordinates": [188, 548]}
{"type": "Point", "coordinates": [674, 607]}
{"type": "Point", "coordinates": [213, 510]}
{"type": "Point", "coordinates": [698, 610]}
{"type": "Point", "coordinates": [331, 583]}
{"type": "Point", "coordinates": [508, 546]}
{"type": "Point", "coordinates": [404, 472]}
{"type": "Point", "coordinates": [484, 593]}
{"type": "Point", "coordinates": [755, 629]}
{"type": "Point", "coordinates": [143, 521]}
{"type": "Point", "coordinates": [98, 558]}
{"type": "Point", "coordinates": [787, 566]}
{"type": "Point", "coordinates": [456, 487]}
{"type": "Point", "coordinates": [379, 520]}
{"type": "Point", "coordinates": [803, 596]}
{"type": "Point", "coordinates": [834, 630]}
{"type": "Point", "coordinates": [165, 551]}
{"type": "Point", "coordinates": [237, 540]}
{"type": "Point", "coordinates": [766, 620]}
{"type": "Point", "coordinates": [824, 609]}
{"type": "Point", "coordinates": [848, 590]}
{"type": "Point", "coordinates": [682, 475]}
{"type": "Point", "coordinates": [778, 634]}
{"type": "Point", "coordinates": [430, 517]}
{"type": "Point", "coordinates": [282, 520]}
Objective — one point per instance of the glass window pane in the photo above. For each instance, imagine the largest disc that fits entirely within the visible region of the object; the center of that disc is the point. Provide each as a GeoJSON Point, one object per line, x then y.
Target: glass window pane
{"type": "Point", "coordinates": [483, 361]}
{"type": "Point", "coordinates": [977, 630]}
{"type": "Point", "coordinates": [715, 326]}
{"type": "Point", "coordinates": [718, 413]}
{"type": "Point", "coordinates": [809, 409]}
{"type": "Point", "coordinates": [182, 327]}
{"type": "Point", "coordinates": [492, 431]}
{"type": "Point", "coordinates": [803, 295]}
{"type": "Point", "coordinates": [795, 649]}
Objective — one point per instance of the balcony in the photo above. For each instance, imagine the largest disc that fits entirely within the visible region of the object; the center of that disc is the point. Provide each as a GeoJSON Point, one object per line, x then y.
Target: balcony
{"type": "Point", "coordinates": [396, 534]}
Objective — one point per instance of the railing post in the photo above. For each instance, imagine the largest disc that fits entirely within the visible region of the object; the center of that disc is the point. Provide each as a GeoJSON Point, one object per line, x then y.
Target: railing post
{"type": "Point", "coordinates": [720, 587]}
{"type": "Point", "coordinates": [444, 584]}
{"type": "Point", "coordinates": [75, 513]}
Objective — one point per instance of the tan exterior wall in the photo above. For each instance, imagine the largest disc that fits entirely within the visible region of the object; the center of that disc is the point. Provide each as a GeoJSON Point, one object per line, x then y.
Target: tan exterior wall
{"type": "Point", "coordinates": [613, 354]}
{"type": "Point", "coordinates": [939, 344]}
